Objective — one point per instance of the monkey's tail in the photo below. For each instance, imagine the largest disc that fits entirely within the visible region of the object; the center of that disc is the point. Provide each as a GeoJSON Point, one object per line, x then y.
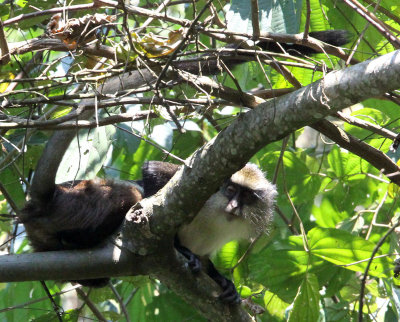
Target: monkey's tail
{"type": "Point", "coordinates": [44, 177]}
{"type": "Point", "coordinates": [331, 37]}
{"type": "Point", "coordinates": [43, 182]}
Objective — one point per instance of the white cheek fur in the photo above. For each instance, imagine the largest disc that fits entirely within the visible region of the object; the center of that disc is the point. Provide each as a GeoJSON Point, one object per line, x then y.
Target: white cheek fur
{"type": "Point", "coordinates": [213, 227]}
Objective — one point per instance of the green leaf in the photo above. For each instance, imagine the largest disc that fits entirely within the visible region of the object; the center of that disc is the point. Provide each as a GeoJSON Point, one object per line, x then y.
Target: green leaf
{"type": "Point", "coordinates": [281, 266]}
{"type": "Point", "coordinates": [275, 307]}
{"type": "Point", "coordinates": [23, 292]}
{"type": "Point", "coordinates": [343, 163]}
{"type": "Point", "coordinates": [342, 248]}
{"type": "Point", "coordinates": [371, 115]}
{"type": "Point", "coordinates": [10, 179]}
{"type": "Point", "coordinates": [167, 306]}
{"type": "Point", "coordinates": [296, 176]}
{"type": "Point", "coordinates": [340, 312]}
{"type": "Point", "coordinates": [327, 214]}
{"type": "Point", "coordinates": [138, 307]}
{"type": "Point", "coordinates": [228, 257]}
{"type": "Point", "coordinates": [278, 16]}
{"type": "Point", "coordinates": [86, 154]}
{"type": "Point", "coordinates": [306, 303]}
{"type": "Point", "coordinates": [21, 3]}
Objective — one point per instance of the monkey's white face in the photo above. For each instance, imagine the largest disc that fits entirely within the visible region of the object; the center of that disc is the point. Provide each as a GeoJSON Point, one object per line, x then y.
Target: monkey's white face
{"type": "Point", "coordinates": [241, 204]}
{"type": "Point", "coordinates": [239, 210]}
{"type": "Point", "coordinates": [214, 226]}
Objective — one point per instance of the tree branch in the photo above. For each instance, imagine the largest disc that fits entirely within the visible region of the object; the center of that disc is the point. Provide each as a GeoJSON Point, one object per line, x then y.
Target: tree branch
{"type": "Point", "coordinates": [374, 156]}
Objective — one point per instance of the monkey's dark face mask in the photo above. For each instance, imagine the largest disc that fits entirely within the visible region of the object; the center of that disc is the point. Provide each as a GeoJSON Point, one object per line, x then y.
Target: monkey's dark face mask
{"type": "Point", "coordinates": [238, 196]}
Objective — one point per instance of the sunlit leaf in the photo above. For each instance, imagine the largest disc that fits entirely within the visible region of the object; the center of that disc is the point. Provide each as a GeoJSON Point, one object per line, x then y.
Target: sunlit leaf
{"type": "Point", "coordinates": [342, 248]}
{"type": "Point", "coordinates": [5, 75]}
{"type": "Point", "coordinates": [306, 303]}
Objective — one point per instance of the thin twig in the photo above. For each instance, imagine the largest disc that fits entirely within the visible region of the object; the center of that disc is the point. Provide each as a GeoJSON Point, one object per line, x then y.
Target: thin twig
{"type": "Point", "coordinates": [373, 20]}
{"type": "Point", "coordinates": [254, 18]}
{"type": "Point", "coordinates": [120, 301]}
{"type": "Point", "coordinates": [57, 309]}
{"type": "Point", "coordinates": [181, 45]}
{"type": "Point", "coordinates": [91, 305]}
{"type": "Point", "coordinates": [367, 126]}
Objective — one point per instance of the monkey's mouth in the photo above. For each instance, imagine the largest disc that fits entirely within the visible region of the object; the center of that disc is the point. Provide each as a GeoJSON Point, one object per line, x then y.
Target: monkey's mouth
{"type": "Point", "coordinates": [232, 214]}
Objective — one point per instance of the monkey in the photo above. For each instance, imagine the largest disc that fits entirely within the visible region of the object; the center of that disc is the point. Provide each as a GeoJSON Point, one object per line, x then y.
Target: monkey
{"type": "Point", "coordinates": [242, 208]}
{"type": "Point", "coordinates": [82, 214]}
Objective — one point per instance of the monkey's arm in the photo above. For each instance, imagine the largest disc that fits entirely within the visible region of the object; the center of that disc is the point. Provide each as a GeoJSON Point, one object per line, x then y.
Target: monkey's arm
{"type": "Point", "coordinates": [229, 293]}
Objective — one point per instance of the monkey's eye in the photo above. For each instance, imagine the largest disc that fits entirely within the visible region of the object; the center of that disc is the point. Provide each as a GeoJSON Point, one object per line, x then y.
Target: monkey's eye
{"type": "Point", "coordinates": [249, 197]}
{"type": "Point", "coordinates": [230, 191]}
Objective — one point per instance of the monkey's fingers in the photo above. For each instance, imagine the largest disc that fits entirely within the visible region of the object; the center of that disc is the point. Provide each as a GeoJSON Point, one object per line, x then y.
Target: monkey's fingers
{"type": "Point", "coordinates": [194, 263]}
{"type": "Point", "coordinates": [229, 294]}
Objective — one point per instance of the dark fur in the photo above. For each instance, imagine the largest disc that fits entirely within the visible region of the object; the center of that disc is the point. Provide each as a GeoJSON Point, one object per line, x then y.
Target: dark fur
{"type": "Point", "coordinates": [156, 174]}
{"type": "Point", "coordinates": [79, 216]}
{"type": "Point", "coordinates": [332, 37]}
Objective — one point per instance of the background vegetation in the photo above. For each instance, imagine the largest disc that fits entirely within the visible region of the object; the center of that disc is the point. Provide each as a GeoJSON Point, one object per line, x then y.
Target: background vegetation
{"type": "Point", "coordinates": [333, 207]}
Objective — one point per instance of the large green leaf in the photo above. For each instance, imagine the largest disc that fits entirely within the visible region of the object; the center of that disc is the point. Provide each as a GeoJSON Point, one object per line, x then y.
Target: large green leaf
{"type": "Point", "coordinates": [342, 163]}
{"type": "Point", "coordinates": [301, 183]}
{"type": "Point", "coordinates": [306, 303]}
{"type": "Point", "coordinates": [342, 248]}
{"type": "Point", "coordinates": [278, 16]}
{"type": "Point", "coordinates": [86, 154]}
{"type": "Point", "coordinates": [167, 306]}
{"type": "Point", "coordinates": [15, 294]}
{"type": "Point", "coordinates": [10, 179]}
{"type": "Point", "coordinates": [281, 266]}
{"type": "Point", "coordinates": [275, 307]}
{"type": "Point", "coordinates": [327, 213]}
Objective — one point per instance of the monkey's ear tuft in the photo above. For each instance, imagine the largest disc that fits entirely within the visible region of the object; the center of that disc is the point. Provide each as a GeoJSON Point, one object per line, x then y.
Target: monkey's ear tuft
{"type": "Point", "coordinates": [156, 174]}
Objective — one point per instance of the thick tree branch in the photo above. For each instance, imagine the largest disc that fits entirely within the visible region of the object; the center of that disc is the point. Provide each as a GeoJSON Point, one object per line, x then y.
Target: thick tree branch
{"type": "Point", "coordinates": [71, 265]}
{"type": "Point", "coordinates": [165, 265]}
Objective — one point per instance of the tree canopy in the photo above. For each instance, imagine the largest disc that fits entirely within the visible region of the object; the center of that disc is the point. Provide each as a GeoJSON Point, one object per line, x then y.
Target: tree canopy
{"type": "Point", "coordinates": [115, 77]}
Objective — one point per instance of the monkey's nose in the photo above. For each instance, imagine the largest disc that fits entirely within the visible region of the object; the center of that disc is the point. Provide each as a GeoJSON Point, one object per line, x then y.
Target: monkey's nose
{"type": "Point", "coordinates": [232, 206]}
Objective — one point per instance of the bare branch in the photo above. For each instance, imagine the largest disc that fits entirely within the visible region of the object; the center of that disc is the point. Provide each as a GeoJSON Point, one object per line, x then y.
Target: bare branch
{"type": "Point", "coordinates": [375, 157]}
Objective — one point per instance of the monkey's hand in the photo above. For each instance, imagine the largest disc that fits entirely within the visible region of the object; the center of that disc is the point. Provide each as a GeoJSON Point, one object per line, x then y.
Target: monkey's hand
{"type": "Point", "coordinates": [194, 262]}
{"type": "Point", "coordinates": [229, 294]}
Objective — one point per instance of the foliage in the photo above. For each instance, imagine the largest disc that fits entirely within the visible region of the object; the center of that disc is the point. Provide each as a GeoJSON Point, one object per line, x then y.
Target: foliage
{"type": "Point", "coordinates": [343, 203]}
